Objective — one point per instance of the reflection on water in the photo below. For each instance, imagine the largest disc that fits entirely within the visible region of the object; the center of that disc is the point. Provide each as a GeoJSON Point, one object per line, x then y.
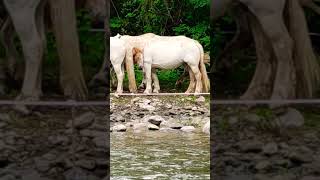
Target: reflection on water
{"type": "Point", "coordinates": [160, 155]}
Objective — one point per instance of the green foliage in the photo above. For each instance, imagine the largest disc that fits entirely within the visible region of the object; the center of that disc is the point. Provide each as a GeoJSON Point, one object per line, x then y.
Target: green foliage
{"type": "Point", "coordinates": [163, 17]}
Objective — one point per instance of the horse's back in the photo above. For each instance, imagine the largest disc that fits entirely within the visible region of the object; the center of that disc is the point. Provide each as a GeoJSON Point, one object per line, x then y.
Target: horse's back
{"type": "Point", "coordinates": [169, 54]}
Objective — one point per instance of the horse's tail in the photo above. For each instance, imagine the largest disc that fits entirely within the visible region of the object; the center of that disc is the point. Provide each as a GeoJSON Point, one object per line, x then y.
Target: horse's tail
{"type": "Point", "coordinates": [203, 70]}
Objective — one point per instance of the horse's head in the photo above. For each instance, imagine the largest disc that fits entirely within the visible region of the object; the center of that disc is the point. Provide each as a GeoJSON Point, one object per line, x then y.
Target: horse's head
{"type": "Point", "coordinates": [97, 9]}
{"type": "Point", "coordinates": [118, 36]}
{"type": "Point", "coordinates": [137, 57]}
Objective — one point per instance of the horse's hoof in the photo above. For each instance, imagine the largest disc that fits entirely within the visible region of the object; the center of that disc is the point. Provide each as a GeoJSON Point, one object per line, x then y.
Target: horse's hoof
{"type": "Point", "coordinates": [156, 91]}
{"type": "Point", "coordinates": [147, 92]}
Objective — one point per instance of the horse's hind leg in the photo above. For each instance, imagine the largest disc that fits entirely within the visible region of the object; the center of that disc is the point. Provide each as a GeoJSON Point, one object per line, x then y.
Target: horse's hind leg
{"type": "Point", "coordinates": [143, 82]}
{"type": "Point", "coordinates": [155, 81]}
{"type": "Point", "coordinates": [197, 74]}
{"type": "Point", "coordinates": [192, 81]}
{"type": "Point", "coordinates": [148, 72]}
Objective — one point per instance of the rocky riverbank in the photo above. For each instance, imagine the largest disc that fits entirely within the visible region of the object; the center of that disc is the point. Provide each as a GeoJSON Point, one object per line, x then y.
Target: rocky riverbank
{"type": "Point", "coordinates": [259, 144]}
{"type": "Point", "coordinates": [143, 114]}
{"type": "Point", "coordinates": [46, 145]}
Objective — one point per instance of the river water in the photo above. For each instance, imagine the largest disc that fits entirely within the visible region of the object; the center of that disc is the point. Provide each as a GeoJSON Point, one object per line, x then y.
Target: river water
{"type": "Point", "coordinates": [160, 155]}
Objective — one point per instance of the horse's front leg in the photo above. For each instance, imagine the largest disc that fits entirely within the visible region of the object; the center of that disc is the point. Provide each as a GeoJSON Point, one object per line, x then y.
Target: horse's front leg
{"type": "Point", "coordinates": [147, 69]}
{"type": "Point", "coordinates": [120, 74]}
{"type": "Point", "coordinates": [155, 81]}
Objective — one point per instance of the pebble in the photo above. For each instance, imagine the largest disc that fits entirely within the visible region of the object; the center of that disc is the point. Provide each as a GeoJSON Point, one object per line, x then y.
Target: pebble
{"type": "Point", "coordinates": [187, 128]}
{"type": "Point", "coordinates": [270, 148]}
{"type": "Point", "coordinates": [153, 127]}
{"type": "Point", "coordinates": [119, 128]}
{"type": "Point", "coordinates": [206, 128]}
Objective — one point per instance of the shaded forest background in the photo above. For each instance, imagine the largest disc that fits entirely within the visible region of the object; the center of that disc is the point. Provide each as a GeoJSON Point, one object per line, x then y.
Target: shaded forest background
{"type": "Point", "coordinates": [232, 81]}
{"type": "Point", "coordinates": [169, 18]}
{"type": "Point", "coordinates": [180, 17]}
{"type": "Point", "coordinates": [92, 48]}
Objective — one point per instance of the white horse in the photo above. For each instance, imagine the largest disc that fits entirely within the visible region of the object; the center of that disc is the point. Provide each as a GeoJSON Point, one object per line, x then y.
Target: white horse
{"type": "Point", "coordinates": [120, 47]}
{"type": "Point", "coordinates": [117, 55]}
{"type": "Point", "coordinates": [170, 53]}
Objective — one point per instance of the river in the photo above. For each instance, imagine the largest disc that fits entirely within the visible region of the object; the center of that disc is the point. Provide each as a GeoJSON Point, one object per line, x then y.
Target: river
{"type": "Point", "coordinates": [160, 155]}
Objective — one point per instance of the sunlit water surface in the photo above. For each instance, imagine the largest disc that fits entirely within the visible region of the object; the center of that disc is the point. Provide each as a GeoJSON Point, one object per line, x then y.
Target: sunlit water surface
{"type": "Point", "coordinates": [160, 155]}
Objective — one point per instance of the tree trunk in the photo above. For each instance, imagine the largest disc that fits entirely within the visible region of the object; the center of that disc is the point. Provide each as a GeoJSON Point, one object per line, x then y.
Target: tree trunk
{"type": "Point", "coordinates": [307, 67]}
{"type": "Point", "coordinates": [65, 28]}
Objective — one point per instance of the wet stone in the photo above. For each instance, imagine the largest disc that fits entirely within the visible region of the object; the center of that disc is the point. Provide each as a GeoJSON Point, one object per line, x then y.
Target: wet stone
{"type": "Point", "coordinates": [173, 112]}
{"type": "Point", "coordinates": [250, 146]}
{"type": "Point", "coordinates": [233, 120]}
{"type": "Point", "coordinates": [86, 164]}
{"type": "Point", "coordinates": [270, 148]}
{"type": "Point", "coordinates": [153, 127]}
{"type": "Point", "coordinates": [83, 121]}
{"type": "Point", "coordinates": [171, 124]}
{"type": "Point", "coordinates": [206, 128]}
{"type": "Point", "coordinates": [100, 142]}
{"type": "Point", "coordinates": [301, 155]}
{"type": "Point", "coordinates": [201, 99]}
{"type": "Point", "coordinates": [42, 164]}
{"type": "Point", "coordinates": [119, 128]}
{"type": "Point", "coordinates": [167, 130]}
{"type": "Point", "coordinates": [292, 119]}
{"type": "Point", "coordinates": [263, 165]}
{"type": "Point", "coordinates": [156, 120]}
{"type": "Point", "coordinates": [58, 140]}
{"type": "Point", "coordinates": [188, 129]}
{"type": "Point", "coordinates": [140, 126]}
{"type": "Point", "coordinates": [120, 118]}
